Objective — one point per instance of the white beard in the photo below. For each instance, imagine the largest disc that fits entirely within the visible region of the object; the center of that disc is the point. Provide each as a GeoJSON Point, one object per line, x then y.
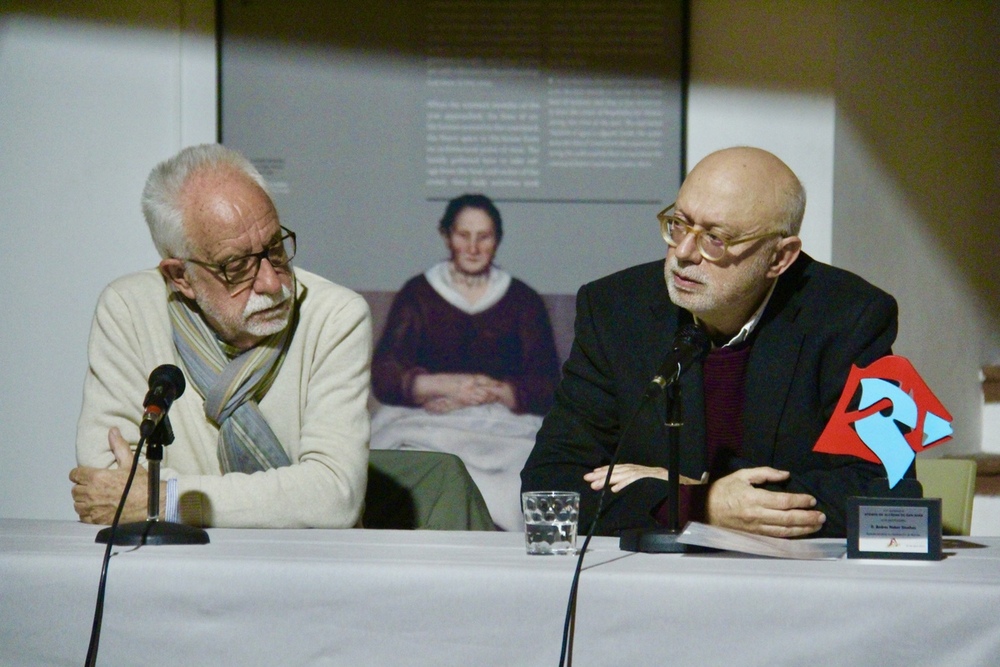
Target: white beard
{"type": "Point", "coordinates": [245, 323]}
{"type": "Point", "coordinates": [718, 293]}
{"type": "Point", "coordinates": [260, 302]}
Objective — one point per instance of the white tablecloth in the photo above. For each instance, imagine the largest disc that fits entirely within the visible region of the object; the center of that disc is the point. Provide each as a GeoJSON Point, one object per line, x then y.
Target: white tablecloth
{"type": "Point", "coordinates": [354, 597]}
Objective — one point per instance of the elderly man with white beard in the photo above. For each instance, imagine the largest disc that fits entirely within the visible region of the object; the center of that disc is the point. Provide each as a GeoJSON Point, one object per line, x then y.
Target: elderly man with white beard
{"type": "Point", "coordinates": [273, 428]}
{"type": "Point", "coordinates": [785, 330]}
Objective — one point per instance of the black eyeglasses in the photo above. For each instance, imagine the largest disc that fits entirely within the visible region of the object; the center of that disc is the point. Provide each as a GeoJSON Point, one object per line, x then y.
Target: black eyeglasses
{"type": "Point", "coordinates": [241, 270]}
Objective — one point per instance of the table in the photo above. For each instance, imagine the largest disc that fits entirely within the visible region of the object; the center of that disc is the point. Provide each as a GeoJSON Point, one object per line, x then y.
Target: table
{"type": "Point", "coordinates": [368, 597]}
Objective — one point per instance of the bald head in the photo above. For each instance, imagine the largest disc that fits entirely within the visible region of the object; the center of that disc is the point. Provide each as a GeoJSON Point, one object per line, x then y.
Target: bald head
{"type": "Point", "coordinates": [745, 184]}
{"type": "Point", "coordinates": [753, 203]}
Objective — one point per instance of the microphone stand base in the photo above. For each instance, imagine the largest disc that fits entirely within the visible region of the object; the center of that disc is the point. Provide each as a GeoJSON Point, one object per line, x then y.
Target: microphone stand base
{"type": "Point", "coordinates": [657, 541]}
{"type": "Point", "coordinates": [153, 532]}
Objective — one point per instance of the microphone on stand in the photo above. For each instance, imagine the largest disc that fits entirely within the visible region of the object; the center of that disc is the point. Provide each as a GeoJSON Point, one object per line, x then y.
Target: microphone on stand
{"type": "Point", "coordinates": [166, 384]}
{"type": "Point", "coordinates": [691, 344]}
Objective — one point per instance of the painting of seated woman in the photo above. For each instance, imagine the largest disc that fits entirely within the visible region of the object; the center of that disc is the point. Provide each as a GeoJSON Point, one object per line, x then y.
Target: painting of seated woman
{"type": "Point", "coordinates": [467, 363]}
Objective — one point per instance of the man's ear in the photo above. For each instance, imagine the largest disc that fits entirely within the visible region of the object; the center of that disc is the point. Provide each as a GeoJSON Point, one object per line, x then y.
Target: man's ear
{"type": "Point", "coordinates": [175, 271]}
{"type": "Point", "coordinates": [785, 254]}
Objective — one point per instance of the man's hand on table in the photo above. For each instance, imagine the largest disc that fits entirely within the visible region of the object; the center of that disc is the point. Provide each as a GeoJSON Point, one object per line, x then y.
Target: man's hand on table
{"type": "Point", "coordinates": [97, 492]}
{"type": "Point", "coordinates": [734, 502]}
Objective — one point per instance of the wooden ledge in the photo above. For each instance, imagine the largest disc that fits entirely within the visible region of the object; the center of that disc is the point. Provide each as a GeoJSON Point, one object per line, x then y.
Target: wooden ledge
{"type": "Point", "coordinates": [991, 384]}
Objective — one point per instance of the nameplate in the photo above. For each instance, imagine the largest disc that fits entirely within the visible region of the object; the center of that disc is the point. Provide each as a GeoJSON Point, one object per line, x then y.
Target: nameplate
{"type": "Point", "coordinates": [895, 528]}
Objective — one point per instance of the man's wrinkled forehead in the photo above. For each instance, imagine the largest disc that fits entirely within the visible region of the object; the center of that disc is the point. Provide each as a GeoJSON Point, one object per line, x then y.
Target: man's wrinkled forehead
{"type": "Point", "coordinates": [224, 214]}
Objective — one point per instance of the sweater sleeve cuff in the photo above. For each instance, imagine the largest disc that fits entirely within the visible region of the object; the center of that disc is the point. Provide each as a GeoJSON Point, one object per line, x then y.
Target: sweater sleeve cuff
{"type": "Point", "coordinates": [172, 513]}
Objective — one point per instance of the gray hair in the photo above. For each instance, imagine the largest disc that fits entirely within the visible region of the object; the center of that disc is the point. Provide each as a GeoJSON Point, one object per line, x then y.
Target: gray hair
{"type": "Point", "coordinates": [794, 208]}
{"type": "Point", "coordinates": [161, 197]}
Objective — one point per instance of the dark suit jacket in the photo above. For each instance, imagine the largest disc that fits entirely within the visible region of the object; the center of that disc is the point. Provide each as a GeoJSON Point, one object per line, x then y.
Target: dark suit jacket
{"type": "Point", "coordinates": [819, 321]}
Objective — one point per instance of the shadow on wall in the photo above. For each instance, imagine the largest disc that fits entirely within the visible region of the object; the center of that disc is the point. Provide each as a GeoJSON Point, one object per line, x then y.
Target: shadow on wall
{"type": "Point", "coordinates": [918, 85]}
{"type": "Point", "coordinates": [916, 184]}
{"type": "Point", "coordinates": [921, 89]}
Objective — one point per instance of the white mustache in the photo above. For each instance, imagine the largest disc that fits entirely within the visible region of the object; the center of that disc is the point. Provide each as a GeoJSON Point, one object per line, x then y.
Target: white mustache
{"type": "Point", "coordinates": [260, 302]}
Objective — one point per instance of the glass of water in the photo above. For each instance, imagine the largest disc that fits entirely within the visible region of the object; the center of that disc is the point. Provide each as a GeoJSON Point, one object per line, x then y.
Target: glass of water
{"type": "Point", "coordinates": [550, 520]}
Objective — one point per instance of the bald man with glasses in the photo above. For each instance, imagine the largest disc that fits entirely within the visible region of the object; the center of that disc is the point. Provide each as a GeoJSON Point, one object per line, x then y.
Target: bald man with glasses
{"type": "Point", "coordinates": [273, 428]}
{"type": "Point", "coordinates": [784, 329]}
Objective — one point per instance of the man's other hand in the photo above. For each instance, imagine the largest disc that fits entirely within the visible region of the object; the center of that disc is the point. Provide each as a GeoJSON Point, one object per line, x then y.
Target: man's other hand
{"type": "Point", "coordinates": [626, 473]}
{"type": "Point", "coordinates": [735, 502]}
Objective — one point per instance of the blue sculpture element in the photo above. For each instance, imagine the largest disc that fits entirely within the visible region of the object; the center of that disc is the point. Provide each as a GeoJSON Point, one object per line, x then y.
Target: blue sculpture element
{"type": "Point", "coordinates": [896, 418]}
{"type": "Point", "coordinates": [879, 431]}
{"type": "Point", "coordinates": [935, 429]}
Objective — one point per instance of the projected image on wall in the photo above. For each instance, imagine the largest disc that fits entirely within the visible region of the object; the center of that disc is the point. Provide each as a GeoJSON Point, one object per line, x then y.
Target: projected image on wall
{"type": "Point", "coordinates": [367, 117]}
{"type": "Point", "coordinates": [395, 133]}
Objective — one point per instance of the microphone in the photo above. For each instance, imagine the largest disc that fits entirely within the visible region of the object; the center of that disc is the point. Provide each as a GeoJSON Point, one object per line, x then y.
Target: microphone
{"type": "Point", "coordinates": [690, 345]}
{"type": "Point", "coordinates": [166, 384]}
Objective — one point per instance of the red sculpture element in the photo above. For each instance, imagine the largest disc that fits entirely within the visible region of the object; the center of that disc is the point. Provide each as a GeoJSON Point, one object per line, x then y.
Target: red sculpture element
{"type": "Point", "coordinates": [920, 432]}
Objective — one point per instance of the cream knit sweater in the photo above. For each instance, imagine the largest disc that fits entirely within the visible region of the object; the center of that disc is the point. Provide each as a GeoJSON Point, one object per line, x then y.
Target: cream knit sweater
{"type": "Point", "coordinates": [317, 407]}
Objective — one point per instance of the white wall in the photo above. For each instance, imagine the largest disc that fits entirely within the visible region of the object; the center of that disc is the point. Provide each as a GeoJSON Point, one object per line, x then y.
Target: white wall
{"type": "Point", "coordinates": [90, 99]}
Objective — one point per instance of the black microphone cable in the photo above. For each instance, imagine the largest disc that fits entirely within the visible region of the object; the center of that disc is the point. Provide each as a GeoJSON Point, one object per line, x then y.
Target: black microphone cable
{"type": "Point", "coordinates": [690, 344]}
{"type": "Point", "coordinates": [95, 631]}
{"type": "Point", "coordinates": [566, 653]}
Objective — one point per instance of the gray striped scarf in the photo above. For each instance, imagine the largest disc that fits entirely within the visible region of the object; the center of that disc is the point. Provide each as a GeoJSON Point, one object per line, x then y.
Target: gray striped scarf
{"type": "Point", "coordinates": [232, 387]}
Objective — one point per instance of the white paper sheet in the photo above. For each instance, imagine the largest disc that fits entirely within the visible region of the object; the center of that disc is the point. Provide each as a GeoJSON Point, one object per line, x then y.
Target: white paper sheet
{"type": "Point", "coordinates": [700, 534]}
